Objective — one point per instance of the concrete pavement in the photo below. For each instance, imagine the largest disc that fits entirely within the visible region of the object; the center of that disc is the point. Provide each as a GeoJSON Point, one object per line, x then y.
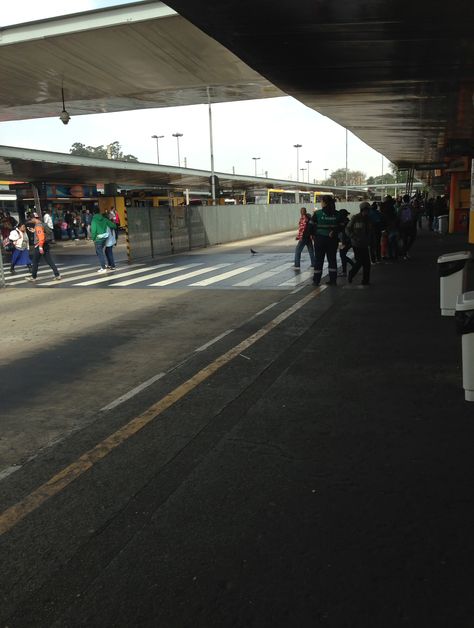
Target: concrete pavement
{"type": "Point", "coordinates": [320, 476]}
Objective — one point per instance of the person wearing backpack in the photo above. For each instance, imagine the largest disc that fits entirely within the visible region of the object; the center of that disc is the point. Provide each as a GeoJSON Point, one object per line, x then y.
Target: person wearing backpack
{"type": "Point", "coordinates": [304, 238]}
{"type": "Point", "coordinates": [21, 244]}
{"type": "Point", "coordinates": [41, 244]}
{"type": "Point", "coordinates": [407, 225]}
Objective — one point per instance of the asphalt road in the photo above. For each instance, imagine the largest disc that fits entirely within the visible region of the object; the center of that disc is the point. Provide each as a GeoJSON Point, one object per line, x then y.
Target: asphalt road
{"type": "Point", "coordinates": [294, 457]}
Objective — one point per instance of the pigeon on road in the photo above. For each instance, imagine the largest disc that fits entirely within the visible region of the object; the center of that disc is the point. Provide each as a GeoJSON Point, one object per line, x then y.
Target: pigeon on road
{"type": "Point", "coordinates": [253, 252]}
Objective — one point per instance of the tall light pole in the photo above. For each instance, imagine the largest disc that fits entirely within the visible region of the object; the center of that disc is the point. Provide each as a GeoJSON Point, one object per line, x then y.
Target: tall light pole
{"type": "Point", "coordinates": [157, 138]}
{"type": "Point", "coordinates": [255, 159]}
{"type": "Point", "coordinates": [211, 145]}
{"type": "Point", "coordinates": [347, 171]}
{"type": "Point", "coordinates": [383, 189]}
{"type": "Point", "coordinates": [308, 161]}
{"type": "Point", "coordinates": [177, 136]}
{"type": "Point", "coordinates": [325, 173]}
{"type": "Point", "coordinates": [297, 146]}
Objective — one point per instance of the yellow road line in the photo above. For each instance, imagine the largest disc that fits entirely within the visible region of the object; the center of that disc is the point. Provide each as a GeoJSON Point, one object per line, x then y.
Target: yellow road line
{"type": "Point", "coordinates": [10, 517]}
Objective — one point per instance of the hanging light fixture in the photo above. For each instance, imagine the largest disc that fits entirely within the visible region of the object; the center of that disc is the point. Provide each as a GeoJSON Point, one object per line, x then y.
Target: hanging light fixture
{"type": "Point", "coordinates": [64, 116]}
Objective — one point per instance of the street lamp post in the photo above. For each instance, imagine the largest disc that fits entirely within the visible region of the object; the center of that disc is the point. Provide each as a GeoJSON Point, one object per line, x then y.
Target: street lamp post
{"type": "Point", "coordinates": [157, 138]}
{"type": "Point", "coordinates": [255, 159]}
{"type": "Point", "coordinates": [297, 146]}
{"type": "Point", "coordinates": [308, 161]}
{"type": "Point", "coordinates": [325, 173]}
{"type": "Point", "coordinates": [177, 136]}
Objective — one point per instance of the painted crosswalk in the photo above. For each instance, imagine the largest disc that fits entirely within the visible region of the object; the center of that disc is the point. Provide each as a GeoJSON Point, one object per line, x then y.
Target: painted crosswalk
{"type": "Point", "coordinates": [269, 273]}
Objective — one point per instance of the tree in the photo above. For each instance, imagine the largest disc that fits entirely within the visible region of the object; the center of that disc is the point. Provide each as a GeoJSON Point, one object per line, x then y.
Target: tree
{"type": "Point", "coordinates": [400, 175]}
{"type": "Point", "coordinates": [110, 151]}
{"type": "Point", "coordinates": [338, 177]}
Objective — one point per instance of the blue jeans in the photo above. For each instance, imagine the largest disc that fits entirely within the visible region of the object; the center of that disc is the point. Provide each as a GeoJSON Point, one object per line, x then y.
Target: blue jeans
{"type": "Point", "coordinates": [299, 247]}
{"type": "Point", "coordinates": [99, 249]}
{"type": "Point", "coordinates": [109, 254]}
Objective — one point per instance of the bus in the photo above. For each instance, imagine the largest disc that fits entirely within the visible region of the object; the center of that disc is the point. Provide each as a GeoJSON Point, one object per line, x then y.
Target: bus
{"type": "Point", "coordinates": [274, 196]}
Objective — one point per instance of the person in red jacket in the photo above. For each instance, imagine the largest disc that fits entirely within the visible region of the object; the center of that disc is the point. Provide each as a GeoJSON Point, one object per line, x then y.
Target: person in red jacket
{"type": "Point", "coordinates": [304, 238]}
{"type": "Point", "coordinates": [41, 250]}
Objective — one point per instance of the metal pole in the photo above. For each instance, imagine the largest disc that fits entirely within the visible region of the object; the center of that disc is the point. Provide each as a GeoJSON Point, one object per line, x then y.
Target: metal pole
{"type": "Point", "coordinates": [213, 183]}
{"type": "Point", "coordinates": [297, 146]}
{"type": "Point", "coordinates": [347, 191]}
{"type": "Point", "coordinates": [177, 136]}
{"type": "Point", "coordinates": [157, 138]}
{"type": "Point", "coordinates": [2, 272]}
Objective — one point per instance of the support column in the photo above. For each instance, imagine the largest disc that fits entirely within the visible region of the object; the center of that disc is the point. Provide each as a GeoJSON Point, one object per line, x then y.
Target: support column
{"type": "Point", "coordinates": [471, 210]}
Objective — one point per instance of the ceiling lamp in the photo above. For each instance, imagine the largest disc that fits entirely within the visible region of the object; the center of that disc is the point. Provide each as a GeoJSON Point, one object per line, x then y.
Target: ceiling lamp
{"type": "Point", "coordinates": [64, 116]}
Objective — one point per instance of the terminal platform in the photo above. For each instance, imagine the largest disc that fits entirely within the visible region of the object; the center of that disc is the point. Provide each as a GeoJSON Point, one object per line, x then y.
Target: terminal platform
{"type": "Point", "coordinates": [321, 477]}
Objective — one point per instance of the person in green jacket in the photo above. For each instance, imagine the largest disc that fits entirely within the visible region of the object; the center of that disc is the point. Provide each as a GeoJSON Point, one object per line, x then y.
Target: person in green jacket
{"type": "Point", "coordinates": [101, 228]}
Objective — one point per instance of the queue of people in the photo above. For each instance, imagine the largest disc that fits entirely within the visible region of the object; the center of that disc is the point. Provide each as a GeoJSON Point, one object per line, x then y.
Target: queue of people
{"type": "Point", "coordinates": [37, 234]}
{"type": "Point", "coordinates": [375, 234]}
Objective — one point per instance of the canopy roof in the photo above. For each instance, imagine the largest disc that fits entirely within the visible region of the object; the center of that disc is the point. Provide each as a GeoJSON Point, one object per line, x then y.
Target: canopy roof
{"type": "Point", "coordinates": [399, 75]}
{"type": "Point", "coordinates": [137, 56]}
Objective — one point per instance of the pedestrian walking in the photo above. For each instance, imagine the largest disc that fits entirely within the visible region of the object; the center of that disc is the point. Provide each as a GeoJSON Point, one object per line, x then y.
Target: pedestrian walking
{"type": "Point", "coordinates": [376, 219]}
{"type": "Point", "coordinates": [41, 245]}
{"type": "Point", "coordinates": [21, 243]}
{"type": "Point", "coordinates": [304, 238]}
{"type": "Point", "coordinates": [407, 224]}
{"type": "Point", "coordinates": [344, 243]}
{"type": "Point", "coordinates": [360, 231]}
{"type": "Point", "coordinates": [326, 224]}
{"type": "Point", "coordinates": [100, 231]}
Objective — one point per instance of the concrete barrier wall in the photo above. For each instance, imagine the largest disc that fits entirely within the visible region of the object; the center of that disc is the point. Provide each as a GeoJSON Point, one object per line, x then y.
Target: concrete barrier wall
{"type": "Point", "coordinates": [154, 231]}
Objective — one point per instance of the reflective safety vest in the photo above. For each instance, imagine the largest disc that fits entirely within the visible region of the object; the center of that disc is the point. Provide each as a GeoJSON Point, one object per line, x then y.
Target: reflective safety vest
{"type": "Point", "coordinates": [325, 223]}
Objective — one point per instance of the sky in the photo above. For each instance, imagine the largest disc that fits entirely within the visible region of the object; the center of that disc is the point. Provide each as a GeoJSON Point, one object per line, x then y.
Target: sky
{"type": "Point", "coordinates": [266, 129]}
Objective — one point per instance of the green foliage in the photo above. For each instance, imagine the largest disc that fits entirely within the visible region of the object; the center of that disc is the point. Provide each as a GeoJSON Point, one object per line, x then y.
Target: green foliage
{"type": "Point", "coordinates": [338, 177]}
{"type": "Point", "coordinates": [110, 151]}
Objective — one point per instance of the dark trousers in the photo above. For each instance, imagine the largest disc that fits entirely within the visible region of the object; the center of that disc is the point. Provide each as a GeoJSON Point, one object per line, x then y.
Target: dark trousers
{"type": "Point", "coordinates": [375, 254]}
{"type": "Point", "coordinates": [325, 246]}
{"type": "Point", "coordinates": [344, 259]}
{"type": "Point", "coordinates": [408, 236]}
{"type": "Point", "coordinates": [362, 260]}
{"type": "Point", "coordinates": [47, 258]}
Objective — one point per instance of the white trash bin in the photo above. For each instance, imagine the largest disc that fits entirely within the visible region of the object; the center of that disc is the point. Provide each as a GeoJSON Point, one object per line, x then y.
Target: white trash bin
{"type": "Point", "coordinates": [443, 224]}
{"type": "Point", "coordinates": [453, 278]}
{"type": "Point", "coordinates": [465, 326]}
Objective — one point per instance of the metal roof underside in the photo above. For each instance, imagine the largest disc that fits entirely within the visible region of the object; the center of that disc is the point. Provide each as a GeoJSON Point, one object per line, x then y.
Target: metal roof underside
{"type": "Point", "coordinates": [137, 56]}
{"type": "Point", "coordinates": [24, 164]}
{"type": "Point", "coordinates": [398, 74]}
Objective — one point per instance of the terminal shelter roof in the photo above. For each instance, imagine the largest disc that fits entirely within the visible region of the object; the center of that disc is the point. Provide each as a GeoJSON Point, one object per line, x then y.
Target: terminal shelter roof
{"type": "Point", "coordinates": [398, 74]}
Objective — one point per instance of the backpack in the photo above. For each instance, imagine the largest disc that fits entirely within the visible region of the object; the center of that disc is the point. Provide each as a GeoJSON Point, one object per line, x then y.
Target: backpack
{"type": "Point", "coordinates": [406, 214]}
{"type": "Point", "coordinates": [48, 233]}
{"type": "Point", "coordinates": [8, 244]}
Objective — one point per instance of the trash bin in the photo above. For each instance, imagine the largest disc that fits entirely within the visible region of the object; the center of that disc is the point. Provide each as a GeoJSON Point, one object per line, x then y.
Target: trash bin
{"type": "Point", "coordinates": [443, 224]}
{"type": "Point", "coordinates": [465, 326]}
{"type": "Point", "coordinates": [453, 279]}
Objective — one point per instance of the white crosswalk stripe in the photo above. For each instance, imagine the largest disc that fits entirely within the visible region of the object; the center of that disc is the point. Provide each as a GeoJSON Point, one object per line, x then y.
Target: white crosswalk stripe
{"type": "Point", "coordinates": [108, 276]}
{"type": "Point", "coordinates": [262, 276]}
{"type": "Point", "coordinates": [42, 272]}
{"type": "Point", "coordinates": [147, 277]}
{"type": "Point", "coordinates": [201, 271]}
{"type": "Point", "coordinates": [271, 274]}
{"type": "Point", "coordinates": [222, 276]}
